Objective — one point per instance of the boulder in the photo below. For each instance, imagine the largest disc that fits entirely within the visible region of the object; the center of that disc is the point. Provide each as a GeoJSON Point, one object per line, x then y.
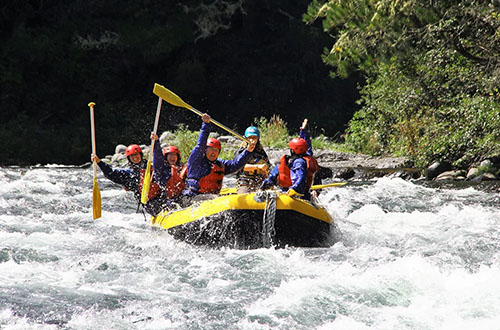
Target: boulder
{"type": "Point", "coordinates": [451, 175]}
{"type": "Point", "coordinates": [486, 164]}
{"type": "Point", "coordinates": [406, 174]}
{"type": "Point", "coordinates": [324, 173]}
{"type": "Point", "coordinates": [436, 168]}
{"type": "Point", "coordinates": [484, 177]}
{"type": "Point", "coordinates": [472, 173]}
{"type": "Point", "coordinates": [120, 149]}
{"type": "Point", "coordinates": [345, 173]}
{"type": "Point", "coordinates": [117, 158]}
{"type": "Point", "coordinates": [167, 136]}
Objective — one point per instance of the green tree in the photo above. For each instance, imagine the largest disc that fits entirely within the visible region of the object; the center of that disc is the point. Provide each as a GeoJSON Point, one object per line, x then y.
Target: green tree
{"type": "Point", "coordinates": [432, 74]}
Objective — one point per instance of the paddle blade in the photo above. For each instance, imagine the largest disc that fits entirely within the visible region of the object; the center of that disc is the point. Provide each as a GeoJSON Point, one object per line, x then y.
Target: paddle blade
{"type": "Point", "coordinates": [169, 96]}
{"type": "Point", "coordinates": [96, 200]}
{"type": "Point", "coordinates": [146, 185]}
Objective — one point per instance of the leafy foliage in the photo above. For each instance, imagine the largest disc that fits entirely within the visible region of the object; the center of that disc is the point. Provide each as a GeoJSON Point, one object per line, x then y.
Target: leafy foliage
{"type": "Point", "coordinates": [432, 74]}
{"type": "Point", "coordinates": [273, 132]}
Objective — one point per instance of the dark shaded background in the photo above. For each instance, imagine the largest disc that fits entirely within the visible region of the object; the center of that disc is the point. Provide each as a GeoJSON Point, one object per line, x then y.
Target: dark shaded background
{"type": "Point", "coordinates": [58, 56]}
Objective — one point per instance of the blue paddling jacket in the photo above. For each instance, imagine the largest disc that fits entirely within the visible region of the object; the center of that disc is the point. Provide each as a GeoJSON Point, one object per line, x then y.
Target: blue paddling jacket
{"type": "Point", "coordinates": [131, 180]}
{"type": "Point", "coordinates": [199, 167]}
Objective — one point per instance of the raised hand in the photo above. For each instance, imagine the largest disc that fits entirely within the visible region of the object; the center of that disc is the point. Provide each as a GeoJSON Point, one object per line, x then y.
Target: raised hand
{"type": "Point", "coordinates": [304, 124]}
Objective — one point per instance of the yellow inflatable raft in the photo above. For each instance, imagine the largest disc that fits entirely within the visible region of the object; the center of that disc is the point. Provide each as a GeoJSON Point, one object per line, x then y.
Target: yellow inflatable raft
{"type": "Point", "coordinates": [248, 221]}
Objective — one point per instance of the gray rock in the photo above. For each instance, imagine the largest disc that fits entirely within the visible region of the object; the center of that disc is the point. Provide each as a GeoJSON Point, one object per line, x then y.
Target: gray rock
{"type": "Point", "coordinates": [345, 173]}
{"type": "Point", "coordinates": [484, 177]}
{"type": "Point", "coordinates": [120, 149]}
{"type": "Point", "coordinates": [486, 163]}
{"type": "Point", "coordinates": [472, 173]}
{"type": "Point", "coordinates": [167, 136]}
{"type": "Point", "coordinates": [230, 140]}
{"type": "Point", "coordinates": [406, 174]}
{"type": "Point", "coordinates": [436, 168]}
{"type": "Point", "coordinates": [489, 177]}
{"type": "Point", "coordinates": [117, 158]}
{"type": "Point", "coordinates": [451, 175]}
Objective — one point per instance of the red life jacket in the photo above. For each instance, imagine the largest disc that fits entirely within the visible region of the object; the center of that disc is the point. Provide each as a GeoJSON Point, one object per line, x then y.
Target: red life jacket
{"type": "Point", "coordinates": [212, 182]}
{"type": "Point", "coordinates": [176, 183]}
{"type": "Point", "coordinates": [154, 188]}
{"type": "Point", "coordinates": [284, 178]}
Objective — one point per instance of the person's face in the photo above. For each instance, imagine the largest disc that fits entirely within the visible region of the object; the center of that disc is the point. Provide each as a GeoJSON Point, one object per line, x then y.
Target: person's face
{"type": "Point", "coordinates": [135, 158]}
{"type": "Point", "coordinates": [253, 138]}
{"type": "Point", "coordinates": [172, 158]}
{"type": "Point", "coordinates": [212, 153]}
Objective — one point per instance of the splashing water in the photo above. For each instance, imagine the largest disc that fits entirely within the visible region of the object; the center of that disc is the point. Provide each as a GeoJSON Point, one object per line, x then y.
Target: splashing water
{"type": "Point", "coordinates": [410, 257]}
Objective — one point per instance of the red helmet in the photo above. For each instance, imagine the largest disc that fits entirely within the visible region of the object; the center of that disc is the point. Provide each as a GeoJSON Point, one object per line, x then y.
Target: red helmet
{"type": "Point", "coordinates": [133, 149]}
{"type": "Point", "coordinates": [172, 149]}
{"type": "Point", "coordinates": [298, 145]}
{"type": "Point", "coordinates": [214, 143]}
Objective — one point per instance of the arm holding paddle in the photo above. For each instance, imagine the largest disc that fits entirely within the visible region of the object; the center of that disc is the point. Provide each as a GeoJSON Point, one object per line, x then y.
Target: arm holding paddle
{"type": "Point", "coordinates": [237, 162]}
{"type": "Point", "coordinates": [161, 170]}
{"type": "Point", "coordinates": [124, 177]}
{"type": "Point", "coordinates": [303, 133]}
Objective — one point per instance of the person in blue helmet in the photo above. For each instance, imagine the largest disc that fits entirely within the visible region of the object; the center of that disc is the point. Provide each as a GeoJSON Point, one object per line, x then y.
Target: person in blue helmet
{"type": "Point", "coordinates": [295, 173]}
{"type": "Point", "coordinates": [251, 176]}
{"type": "Point", "coordinates": [205, 170]}
{"type": "Point", "coordinates": [132, 178]}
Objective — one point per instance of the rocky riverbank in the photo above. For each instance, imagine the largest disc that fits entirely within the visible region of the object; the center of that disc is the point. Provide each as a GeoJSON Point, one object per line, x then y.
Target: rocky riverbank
{"type": "Point", "coordinates": [347, 166]}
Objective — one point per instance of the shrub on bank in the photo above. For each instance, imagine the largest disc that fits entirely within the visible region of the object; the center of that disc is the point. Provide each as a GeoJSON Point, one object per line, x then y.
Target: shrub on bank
{"type": "Point", "coordinates": [274, 133]}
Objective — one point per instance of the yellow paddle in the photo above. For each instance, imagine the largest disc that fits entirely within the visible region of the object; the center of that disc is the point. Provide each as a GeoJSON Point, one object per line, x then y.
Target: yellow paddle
{"type": "Point", "coordinates": [147, 177]}
{"type": "Point", "coordinates": [173, 99]}
{"type": "Point", "coordinates": [96, 193]}
{"type": "Point", "coordinates": [334, 184]}
{"type": "Point", "coordinates": [226, 191]}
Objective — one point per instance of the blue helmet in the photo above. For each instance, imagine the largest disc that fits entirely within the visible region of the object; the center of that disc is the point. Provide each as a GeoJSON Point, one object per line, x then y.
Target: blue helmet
{"type": "Point", "coordinates": [252, 131]}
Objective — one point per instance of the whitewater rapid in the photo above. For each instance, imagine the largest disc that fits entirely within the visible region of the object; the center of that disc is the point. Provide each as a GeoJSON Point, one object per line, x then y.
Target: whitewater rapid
{"type": "Point", "coordinates": [410, 256]}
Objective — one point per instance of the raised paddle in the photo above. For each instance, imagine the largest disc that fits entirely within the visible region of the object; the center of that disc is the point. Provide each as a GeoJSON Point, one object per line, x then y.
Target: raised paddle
{"type": "Point", "coordinates": [173, 99]}
{"type": "Point", "coordinates": [147, 177]}
{"type": "Point", "coordinates": [96, 193]}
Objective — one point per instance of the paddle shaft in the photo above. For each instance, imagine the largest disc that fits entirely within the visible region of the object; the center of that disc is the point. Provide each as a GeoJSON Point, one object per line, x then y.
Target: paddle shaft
{"type": "Point", "coordinates": [174, 99]}
{"type": "Point", "coordinates": [321, 186]}
{"type": "Point", "coordinates": [96, 193]}
{"type": "Point", "coordinates": [147, 175]}
{"type": "Point", "coordinates": [155, 128]}
{"type": "Point", "coordinates": [92, 132]}
{"type": "Point", "coordinates": [199, 113]}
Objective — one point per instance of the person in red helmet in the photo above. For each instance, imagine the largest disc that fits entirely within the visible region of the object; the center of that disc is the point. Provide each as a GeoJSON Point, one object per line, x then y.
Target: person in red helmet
{"type": "Point", "coordinates": [205, 170]}
{"type": "Point", "coordinates": [296, 172]}
{"type": "Point", "coordinates": [132, 178]}
{"type": "Point", "coordinates": [169, 170]}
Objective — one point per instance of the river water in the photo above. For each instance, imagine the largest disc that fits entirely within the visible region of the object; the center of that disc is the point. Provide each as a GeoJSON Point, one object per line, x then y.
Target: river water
{"type": "Point", "coordinates": [410, 256]}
